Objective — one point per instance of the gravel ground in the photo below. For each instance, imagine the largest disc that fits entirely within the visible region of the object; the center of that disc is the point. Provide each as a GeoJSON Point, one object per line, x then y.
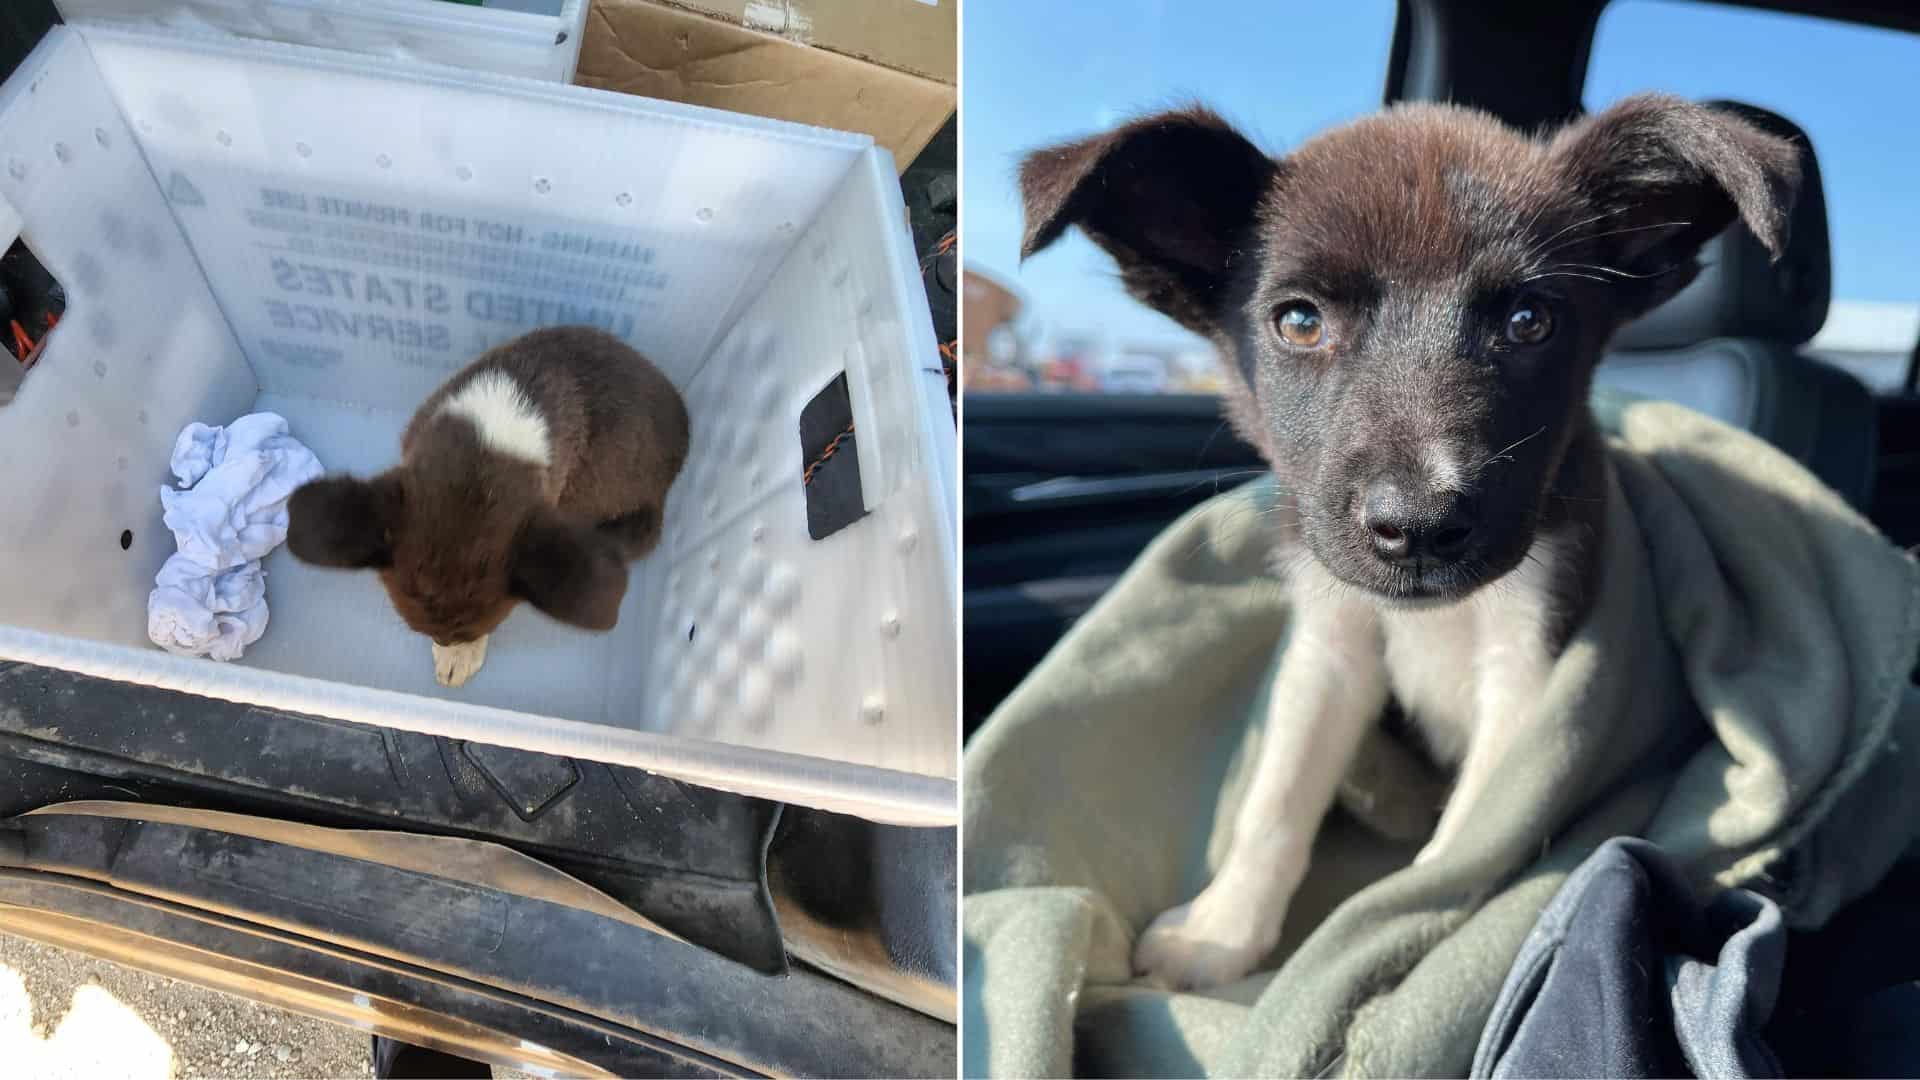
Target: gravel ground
{"type": "Point", "coordinates": [67, 1015]}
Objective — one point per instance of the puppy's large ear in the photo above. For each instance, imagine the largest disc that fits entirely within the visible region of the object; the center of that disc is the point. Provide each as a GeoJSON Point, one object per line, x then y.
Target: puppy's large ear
{"type": "Point", "coordinates": [573, 573]}
{"type": "Point", "coordinates": [343, 522]}
{"type": "Point", "coordinates": [1171, 197]}
{"type": "Point", "coordinates": [1667, 175]}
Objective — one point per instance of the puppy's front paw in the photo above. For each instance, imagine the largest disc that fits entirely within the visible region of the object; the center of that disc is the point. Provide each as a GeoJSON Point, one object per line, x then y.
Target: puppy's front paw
{"type": "Point", "coordinates": [453, 665]}
{"type": "Point", "coordinates": [1214, 940]}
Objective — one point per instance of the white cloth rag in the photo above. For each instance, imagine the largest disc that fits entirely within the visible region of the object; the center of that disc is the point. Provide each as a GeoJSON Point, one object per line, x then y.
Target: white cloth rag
{"type": "Point", "coordinates": [210, 598]}
{"type": "Point", "coordinates": [196, 613]}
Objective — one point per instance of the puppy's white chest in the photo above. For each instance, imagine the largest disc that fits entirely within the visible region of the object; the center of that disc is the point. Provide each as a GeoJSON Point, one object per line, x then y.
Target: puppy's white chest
{"type": "Point", "coordinates": [1432, 661]}
{"type": "Point", "coordinates": [1483, 661]}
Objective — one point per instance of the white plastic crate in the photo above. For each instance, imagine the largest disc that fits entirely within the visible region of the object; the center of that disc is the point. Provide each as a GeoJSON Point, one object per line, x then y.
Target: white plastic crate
{"type": "Point", "coordinates": [310, 233]}
{"type": "Point", "coordinates": [535, 39]}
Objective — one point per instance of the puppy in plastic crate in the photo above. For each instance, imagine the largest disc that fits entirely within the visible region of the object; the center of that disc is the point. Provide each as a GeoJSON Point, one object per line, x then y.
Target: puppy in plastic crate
{"type": "Point", "coordinates": [536, 473]}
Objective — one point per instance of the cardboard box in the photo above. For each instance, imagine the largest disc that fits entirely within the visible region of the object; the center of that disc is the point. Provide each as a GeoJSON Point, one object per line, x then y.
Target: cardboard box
{"type": "Point", "coordinates": [915, 36]}
{"type": "Point", "coordinates": [661, 51]}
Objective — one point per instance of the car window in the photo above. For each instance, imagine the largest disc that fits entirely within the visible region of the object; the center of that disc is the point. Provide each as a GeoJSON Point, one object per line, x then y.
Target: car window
{"type": "Point", "coordinates": [1851, 88]}
{"type": "Point", "coordinates": [1038, 74]}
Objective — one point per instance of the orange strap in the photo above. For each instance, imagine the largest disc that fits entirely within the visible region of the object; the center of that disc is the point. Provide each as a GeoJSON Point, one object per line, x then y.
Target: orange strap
{"type": "Point", "coordinates": [833, 447]}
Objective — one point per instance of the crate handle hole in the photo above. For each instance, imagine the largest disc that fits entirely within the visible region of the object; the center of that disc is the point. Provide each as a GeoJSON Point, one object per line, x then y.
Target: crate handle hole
{"type": "Point", "coordinates": [32, 302]}
{"type": "Point", "coordinates": [829, 465]}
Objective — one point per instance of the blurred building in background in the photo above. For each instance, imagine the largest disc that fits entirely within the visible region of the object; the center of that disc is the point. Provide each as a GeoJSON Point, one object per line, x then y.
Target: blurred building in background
{"type": "Point", "coordinates": [1008, 347]}
{"type": "Point", "coordinates": [992, 357]}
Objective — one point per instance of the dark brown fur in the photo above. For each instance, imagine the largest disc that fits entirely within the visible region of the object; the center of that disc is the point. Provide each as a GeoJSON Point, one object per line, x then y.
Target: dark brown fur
{"type": "Point", "coordinates": [461, 533]}
{"type": "Point", "coordinates": [1415, 232]}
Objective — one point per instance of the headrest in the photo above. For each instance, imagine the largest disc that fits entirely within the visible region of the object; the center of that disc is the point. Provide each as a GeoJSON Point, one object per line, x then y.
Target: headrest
{"type": "Point", "coordinates": [1739, 292]}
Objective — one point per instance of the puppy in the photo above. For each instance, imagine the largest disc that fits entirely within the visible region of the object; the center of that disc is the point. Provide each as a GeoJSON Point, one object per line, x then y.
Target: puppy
{"type": "Point", "coordinates": [536, 473]}
{"type": "Point", "coordinates": [1413, 306]}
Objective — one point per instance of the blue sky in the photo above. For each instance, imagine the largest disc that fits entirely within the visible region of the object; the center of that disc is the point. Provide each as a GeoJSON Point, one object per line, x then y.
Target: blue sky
{"type": "Point", "coordinates": [1039, 72]}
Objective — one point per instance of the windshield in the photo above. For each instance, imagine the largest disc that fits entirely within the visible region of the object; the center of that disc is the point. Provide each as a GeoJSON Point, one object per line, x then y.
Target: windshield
{"type": "Point", "coordinates": [1852, 89]}
{"type": "Point", "coordinates": [1037, 74]}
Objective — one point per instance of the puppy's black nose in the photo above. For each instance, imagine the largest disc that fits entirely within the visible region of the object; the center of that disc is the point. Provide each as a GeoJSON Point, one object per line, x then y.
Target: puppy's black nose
{"type": "Point", "coordinates": [1404, 528]}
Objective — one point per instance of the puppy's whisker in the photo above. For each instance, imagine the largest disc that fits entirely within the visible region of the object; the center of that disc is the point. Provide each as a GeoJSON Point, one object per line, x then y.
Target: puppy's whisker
{"type": "Point", "coordinates": [1208, 445]}
{"type": "Point", "coordinates": [1507, 454]}
{"type": "Point", "coordinates": [1545, 275]}
{"type": "Point", "coordinates": [1218, 481]}
{"type": "Point", "coordinates": [1583, 237]}
{"type": "Point", "coordinates": [1638, 228]}
{"type": "Point", "coordinates": [1614, 271]}
{"type": "Point", "coordinates": [1608, 270]}
{"type": "Point", "coordinates": [1578, 224]}
{"type": "Point", "coordinates": [1244, 518]}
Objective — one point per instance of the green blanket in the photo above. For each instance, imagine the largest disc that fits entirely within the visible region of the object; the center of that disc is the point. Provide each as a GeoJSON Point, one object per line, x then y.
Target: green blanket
{"type": "Point", "coordinates": [1739, 694]}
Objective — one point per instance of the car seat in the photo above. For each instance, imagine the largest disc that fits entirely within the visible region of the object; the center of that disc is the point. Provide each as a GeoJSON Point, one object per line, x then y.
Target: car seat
{"type": "Point", "coordinates": [1728, 345]}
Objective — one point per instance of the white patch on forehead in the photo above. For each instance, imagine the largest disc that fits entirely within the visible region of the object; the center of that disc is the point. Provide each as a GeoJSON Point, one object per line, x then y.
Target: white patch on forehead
{"type": "Point", "coordinates": [507, 421]}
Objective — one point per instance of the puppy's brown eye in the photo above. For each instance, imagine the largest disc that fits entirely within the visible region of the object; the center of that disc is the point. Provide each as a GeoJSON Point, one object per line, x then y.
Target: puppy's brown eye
{"type": "Point", "coordinates": [1530, 322]}
{"type": "Point", "coordinates": [1300, 325]}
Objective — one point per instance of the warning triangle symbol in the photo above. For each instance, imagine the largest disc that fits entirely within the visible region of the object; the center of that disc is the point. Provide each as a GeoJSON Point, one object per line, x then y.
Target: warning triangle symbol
{"type": "Point", "coordinates": [182, 192]}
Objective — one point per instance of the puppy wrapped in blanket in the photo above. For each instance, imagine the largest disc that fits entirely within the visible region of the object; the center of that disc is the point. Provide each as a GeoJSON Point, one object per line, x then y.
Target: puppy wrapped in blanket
{"type": "Point", "coordinates": [536, 473]}
{"type": "Point", "coordinates": [1413, 306]}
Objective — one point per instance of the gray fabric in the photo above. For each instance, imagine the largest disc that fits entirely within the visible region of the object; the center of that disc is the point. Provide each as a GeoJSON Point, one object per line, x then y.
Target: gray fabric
{"type": "Point", "coordinates": [1731, 696]}
{"type": "Point", "coordinates": [1721, 1007]}
{"type": "Point", "coordinates": [1821, 416]}
{"type": "Point", "coordinates": [1629, 974]}
{"type": "Point", "coordinates": [1731, 381]}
